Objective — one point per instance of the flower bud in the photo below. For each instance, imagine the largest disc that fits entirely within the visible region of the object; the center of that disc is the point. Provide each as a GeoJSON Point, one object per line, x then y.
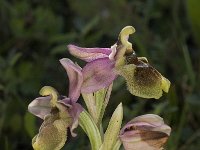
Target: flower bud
{"type": "Point", "coordinates": [146, 132]}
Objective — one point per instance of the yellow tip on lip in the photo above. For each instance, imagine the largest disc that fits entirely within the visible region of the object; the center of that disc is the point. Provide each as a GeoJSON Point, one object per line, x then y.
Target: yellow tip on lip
{"type": "Point", "coordinates": [165, 84]}
{"type": "Point", "coordinates": [127, 30]}
{"type": "Point", "coordinates": [124, 34]}
{"type": "Point", "coordinates": [48, 90]}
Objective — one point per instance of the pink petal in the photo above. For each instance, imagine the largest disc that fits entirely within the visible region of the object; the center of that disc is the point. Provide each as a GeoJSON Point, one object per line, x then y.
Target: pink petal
{"type": "Point", "coordinates": [75, 111]}
{"type": "Point", "coordinates": [152, 119]}
{"type": "Point", "coordinates": [75, 78]}
{"type": "Point", "coordinates": [66, 101]}
{"type": "Point", "coordinates": [40, 107]}
{"type": "Point", "coordinates": [89, 54]}
{"type": "Point", "coordinates": [148, 120]}
{"type": "Point", "coordinates": [98, 74]}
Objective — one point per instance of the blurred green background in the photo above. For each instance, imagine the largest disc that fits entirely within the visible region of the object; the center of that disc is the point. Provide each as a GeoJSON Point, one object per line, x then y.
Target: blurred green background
{"type": "Point", "coordinates": [34, 35]}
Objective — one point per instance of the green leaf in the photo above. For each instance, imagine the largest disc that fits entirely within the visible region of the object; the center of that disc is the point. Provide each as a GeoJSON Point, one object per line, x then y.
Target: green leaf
{"type": "Point", "coordinates": [88, 125]}
{"type": "Point", "coordinates": [90, 25]}
{"type": "Point", "coordinates": [193, 9]}
{"type": "Point", "coordinates": [15, 58]}
{"type": "Point", "coordinates": [29, 123]}
{"type": "Point", "coordinates": [17, 119]}
{"type": "Point", "coordinates": [58, 49]}
{"type": "Point", "coordinates": [112, 132]}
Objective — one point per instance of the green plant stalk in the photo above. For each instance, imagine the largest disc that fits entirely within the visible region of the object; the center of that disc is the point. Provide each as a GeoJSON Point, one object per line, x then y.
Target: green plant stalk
{"type": "Point", "coordinates": [188, 63]}
{"type": "Point", "coordinates": [89, 100]}
{"type": "Point", "coordinates": [181, 125]}
{"type": "Point", "coordinates": [104, 103]}
{"type": "Point", "coordinates": [117, 145]}
{"type": "Point", "coordinates": [99, 97]}
{"type": "Point", "coordinates": [96, 104]}
{"type": "Point", "coordinates": [88, 125]}
{"type": "Point", "coordinates": [100, 127]}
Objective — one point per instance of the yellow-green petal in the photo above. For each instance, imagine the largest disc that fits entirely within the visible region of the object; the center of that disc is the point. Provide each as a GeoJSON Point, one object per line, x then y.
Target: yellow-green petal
{"type": "Point", "coordinates": [52, 136]}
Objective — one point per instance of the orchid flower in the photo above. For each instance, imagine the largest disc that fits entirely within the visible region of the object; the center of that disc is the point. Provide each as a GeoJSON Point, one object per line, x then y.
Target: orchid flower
{"type": "Point", "coordinates": [105, 64]}
{"type": "Point", "coordinates": [94, 82]}
{"type": "Point", "coordinates": [58, 113]}
{"type": "Point", "coordinates": [145, 132]}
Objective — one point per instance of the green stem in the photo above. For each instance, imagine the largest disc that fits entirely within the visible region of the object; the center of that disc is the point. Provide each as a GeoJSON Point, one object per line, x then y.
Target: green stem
{"type": "Point", "coordinates": [97, 102]}
{"type": "Point", "coordinates": [117, 145]}
{"type": "Point", "coordinates": [88, 125]}
{"type": "Point", "coordinates": [180, 126]}
{"type": "Point", "coordinates": [188, 63]}
{"type": "Point", "coordinates": [101, 131]}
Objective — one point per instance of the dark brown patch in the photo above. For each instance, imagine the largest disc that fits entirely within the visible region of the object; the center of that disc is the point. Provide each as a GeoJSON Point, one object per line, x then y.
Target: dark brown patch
{"type": "Point", "coordinates": [132, 59]}
{"type": "Point", "coordinates": [131, 128]}
{"type": "Point", "coordinates": [154, 138]}
{"type": "Point", "coordinates": [54, 110]}
{"type": "Point", "coordinates": [146, 75]}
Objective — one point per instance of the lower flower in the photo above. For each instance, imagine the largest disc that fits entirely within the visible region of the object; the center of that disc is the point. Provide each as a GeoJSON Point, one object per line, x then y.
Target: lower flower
{"type": "Point", "coordinates": [58, 115]}
{"type": "Point", "coordinates": [53, 131]}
